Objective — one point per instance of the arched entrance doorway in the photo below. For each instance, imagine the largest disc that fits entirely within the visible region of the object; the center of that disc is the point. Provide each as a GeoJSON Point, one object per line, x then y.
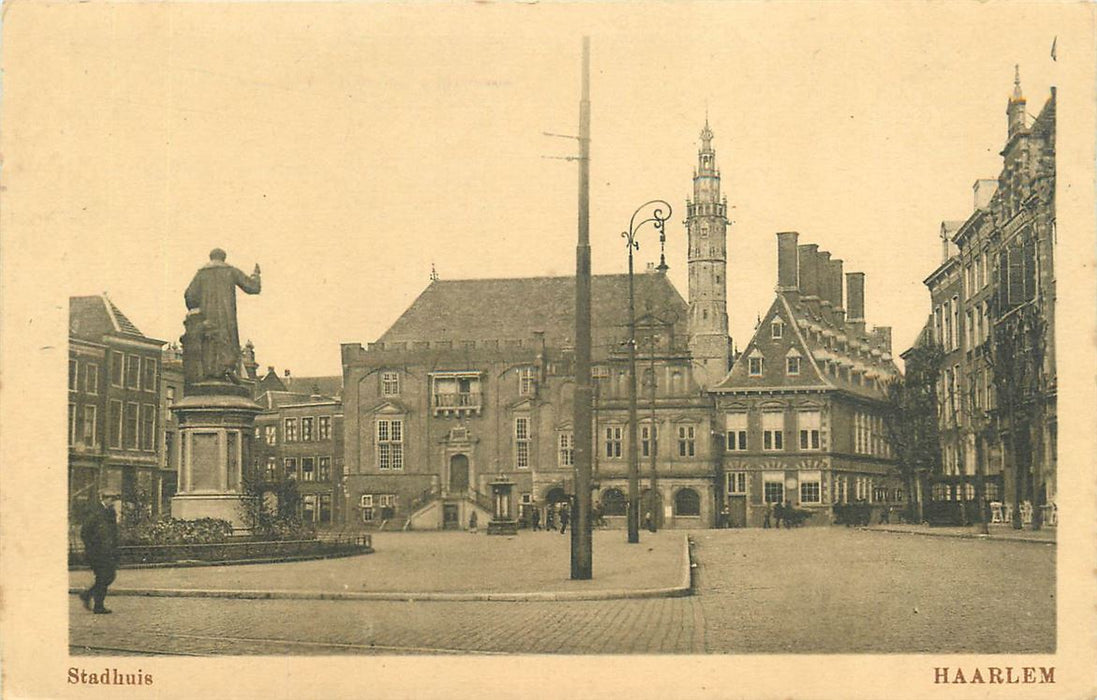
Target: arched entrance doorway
{"type": "Point", "coordinates": [651, 502]}
{"type": "Point", "coordinates": [459, 473]}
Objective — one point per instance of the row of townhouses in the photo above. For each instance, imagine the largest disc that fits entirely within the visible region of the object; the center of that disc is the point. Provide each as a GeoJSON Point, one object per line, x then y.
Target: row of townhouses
{"type": "Point", "coordinates": [993, 321]}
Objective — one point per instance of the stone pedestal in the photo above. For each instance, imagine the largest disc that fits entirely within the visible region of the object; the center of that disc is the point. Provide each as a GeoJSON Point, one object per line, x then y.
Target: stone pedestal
{"type": "Point", "coordinates": [216, 421]}
{"type": "Point", "coordinates": [502, 519]}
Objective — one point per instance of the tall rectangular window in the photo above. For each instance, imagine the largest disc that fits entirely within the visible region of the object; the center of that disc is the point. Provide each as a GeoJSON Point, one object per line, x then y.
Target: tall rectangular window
{"type": "Point", "coordinates": [521, 442]}
{"type": "Point", "coordinates": [649, 434]}
{"type": "Point", "coordinates": [271, 469]}
{"type": "Point", "coordinates": [133, 372]}
{"type": "Point", "coordinates": [324, 425]}
{"type": "Point", "coordinates": [114, 427]}
{"type": "Point", "coordinates": [148, 427]}
{"type": "Point", "coordinates": [306, 428]}
{"type": "Point", "coordinates": [613, 442]}
{"type": "Point", "coordinates": [527, 381]}
{"type": "Point", "coordinates": [955, 322]}
{"type": "Point", "coordinates": [737, 482]}
{"type": "Point", "coordinates": [129, 435]}
{"type": "Point", "coordinates": [270, 433]}
{"type": "Point", "coordinates": [938, 326]}
{"type": "Point", "coordinates": [291, 467]}
{"type": "Point", "coordinates": [390, 383]}
{"type": "Point", "coordinates": [811, 489]}
{"type": "Point", "coordinates": [947, 344]}
{"type": "Point", "coordinates": [686, 440]}
{"type": "Point", "coordinates": [289, 429]}
{"type": "Point", "coordinates": [308, 469]}
{"type": "Point", "coordinates": [736, 426]}
{"type": "Point", "coordinates": [116, 369]}
{"type": "Point", "coordinates": [323, 467]}
{"type": "Point", "coordinates": [567, 449]}
{"type": "Point", "coordinates": [148, 381]}
{"type": "Point", "coordinates": [169, 396]}
{"type": "Point", "coordinates": [74, 375]}
{"type": "Point", "coordinates": [91, 378]}
{"type": "Point", "coordinates": [390, 444]}
{"type": "Point", "coordinates": [72, 424]}
{"type": "Point", "coordinates": [773, 430]}
{"type": "Point", "coordinates": [810, 424]}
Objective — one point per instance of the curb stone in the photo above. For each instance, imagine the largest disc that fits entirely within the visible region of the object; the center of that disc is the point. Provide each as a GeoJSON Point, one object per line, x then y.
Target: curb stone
{"type": "Point", "coordinates": [684, 588]}
{"type": "Point", "coordinates": [959, 535]}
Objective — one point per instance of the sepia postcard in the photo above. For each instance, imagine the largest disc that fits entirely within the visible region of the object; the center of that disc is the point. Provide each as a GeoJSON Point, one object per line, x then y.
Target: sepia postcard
{"type": "Point", "coordinates": [499, 349]}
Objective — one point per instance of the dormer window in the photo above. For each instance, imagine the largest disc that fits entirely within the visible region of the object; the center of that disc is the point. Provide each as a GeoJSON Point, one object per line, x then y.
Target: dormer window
{"type": "Point", "coordinates": [777, 329]}
{"type": "Point", "coordinates": [754, 366]}
{"type": "Point", "coordinates": [792, 365]}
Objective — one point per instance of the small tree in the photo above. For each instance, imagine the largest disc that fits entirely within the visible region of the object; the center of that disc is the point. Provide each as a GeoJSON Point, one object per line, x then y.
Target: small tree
{"type": "Point", "coordinates": [271, 509]}
{"type": "Point", "coordinates": [910, 418]}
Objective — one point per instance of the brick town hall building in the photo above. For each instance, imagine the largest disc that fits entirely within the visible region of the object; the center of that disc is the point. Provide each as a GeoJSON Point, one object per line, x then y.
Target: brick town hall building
{"type": "Point", "coordinates": [475, 381]}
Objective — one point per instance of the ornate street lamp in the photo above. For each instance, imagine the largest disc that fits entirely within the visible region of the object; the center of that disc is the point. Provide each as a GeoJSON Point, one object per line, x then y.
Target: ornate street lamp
{"type": "Point", "coordinates": [657, 219]}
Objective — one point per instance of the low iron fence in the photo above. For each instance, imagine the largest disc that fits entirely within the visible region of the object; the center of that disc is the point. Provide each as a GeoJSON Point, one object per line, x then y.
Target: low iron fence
{"type": "Point", "coordinates": [235, 551]}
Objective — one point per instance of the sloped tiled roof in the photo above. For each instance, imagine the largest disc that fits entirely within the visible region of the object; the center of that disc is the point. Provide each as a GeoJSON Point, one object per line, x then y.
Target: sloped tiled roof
{"type": "Point", "coordinates": [324, 386]}
{"type": "Point", "coordinates": [821, 343]}
{"type": "Point", "coordinates": [92, 317]}
{"type": "Point", "coordinates": [488, 309]}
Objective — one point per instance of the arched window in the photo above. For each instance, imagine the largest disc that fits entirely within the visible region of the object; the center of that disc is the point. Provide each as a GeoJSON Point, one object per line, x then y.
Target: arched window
{"type": "Point", "coordinates": [687, 502]}
{"type": "Point", "coordinates": [614, 502]}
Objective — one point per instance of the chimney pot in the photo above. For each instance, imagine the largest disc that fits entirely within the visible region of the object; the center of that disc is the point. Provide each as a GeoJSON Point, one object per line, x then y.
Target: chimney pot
{"type": "Point", "coordinates": [809, 269]}
{"type": "Point", "coordinates": [287, 372]}
{"type": "Point", "coordinates": [855, 297]}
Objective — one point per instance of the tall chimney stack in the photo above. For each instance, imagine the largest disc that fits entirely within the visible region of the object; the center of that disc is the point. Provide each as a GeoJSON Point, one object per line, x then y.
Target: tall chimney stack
{"type": "Point", "coordinates": [836, 283]}
{"type": "Point", "coordinates": [809, 270]}
{"type": "Point", "coordinates": [822, 262]}
{"type": "Point", "coordinates": [855, 300]}
{"type": "Point", "coordinates": [787, 263]}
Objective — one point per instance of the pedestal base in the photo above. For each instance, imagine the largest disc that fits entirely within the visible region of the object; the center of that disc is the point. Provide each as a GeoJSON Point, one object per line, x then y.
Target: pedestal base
{"type": "Point", "coordinates": [220, 506]}
{"type": "Point", "coordinates": [503, 527]}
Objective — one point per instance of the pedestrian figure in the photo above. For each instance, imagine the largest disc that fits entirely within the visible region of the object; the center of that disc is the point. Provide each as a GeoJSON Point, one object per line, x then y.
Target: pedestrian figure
{"type": "Point", "coordinates": [725, 518]}
{"type": "Point", "coordinates": [649, 523]}
{"type": "Point", "coordinates": [767, 515]}
{"type": "Point", "coordinates": [565, 516]}
{"type": "Point", "coordinates": [779, 514]}
{"type": "Point", "coordinates": [99, 533]}
{"type": "Point", "coordinates": [536, 516]}
{"type": "Point", "coordinates": [472, 522]}
{"type": "Point", "coordinates": [550, 517]}
{"type": "Point", "coordinates": [599, 514]}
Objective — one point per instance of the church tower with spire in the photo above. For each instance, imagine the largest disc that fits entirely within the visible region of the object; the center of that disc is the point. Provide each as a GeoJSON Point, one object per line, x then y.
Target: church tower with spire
{"type": "Point", "coordinates": [706, 226]}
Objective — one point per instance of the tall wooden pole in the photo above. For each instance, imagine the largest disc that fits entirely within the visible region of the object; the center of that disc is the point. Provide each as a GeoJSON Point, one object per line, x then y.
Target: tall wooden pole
{"type": "Point", "coordinates": [581, 540]}
{"type": "Point", "coordinates": [633, 451]}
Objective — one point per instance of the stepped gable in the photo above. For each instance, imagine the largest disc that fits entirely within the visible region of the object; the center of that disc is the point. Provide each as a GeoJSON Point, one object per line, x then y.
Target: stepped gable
{"type": "Point", "coordinates": [490, 309]}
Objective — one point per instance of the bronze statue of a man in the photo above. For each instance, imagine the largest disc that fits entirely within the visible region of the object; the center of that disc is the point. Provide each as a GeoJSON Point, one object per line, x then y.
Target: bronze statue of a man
{"type": "Point", "coordinates": [211, 346]}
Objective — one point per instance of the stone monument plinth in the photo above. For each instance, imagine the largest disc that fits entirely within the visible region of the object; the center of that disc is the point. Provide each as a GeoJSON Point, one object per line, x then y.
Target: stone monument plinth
{"type": "Point", "coordinates": [215, 432]}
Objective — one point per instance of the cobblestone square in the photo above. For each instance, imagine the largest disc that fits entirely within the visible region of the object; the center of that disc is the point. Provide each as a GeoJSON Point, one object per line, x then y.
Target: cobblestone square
{"type": "Point", "coordinates": [811, 590]}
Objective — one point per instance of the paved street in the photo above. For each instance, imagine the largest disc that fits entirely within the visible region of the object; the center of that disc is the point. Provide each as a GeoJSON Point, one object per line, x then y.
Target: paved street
{"type": "Point", "coordinates": [812, 590]}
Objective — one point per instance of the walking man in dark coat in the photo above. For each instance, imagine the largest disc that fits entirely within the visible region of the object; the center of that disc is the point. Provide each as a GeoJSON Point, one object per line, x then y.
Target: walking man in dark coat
{"type": "Point", "coordinates": [100, 535]}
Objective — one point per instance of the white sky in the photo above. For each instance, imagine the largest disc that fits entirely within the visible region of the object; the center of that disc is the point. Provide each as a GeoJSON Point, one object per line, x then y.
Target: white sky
{"type": "Point", "coordinates": [347, 147]}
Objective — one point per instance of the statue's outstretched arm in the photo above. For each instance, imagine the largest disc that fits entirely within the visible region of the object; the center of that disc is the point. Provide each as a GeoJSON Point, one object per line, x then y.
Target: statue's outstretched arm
{"type": "Point", "coordinates": [249, 283]}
